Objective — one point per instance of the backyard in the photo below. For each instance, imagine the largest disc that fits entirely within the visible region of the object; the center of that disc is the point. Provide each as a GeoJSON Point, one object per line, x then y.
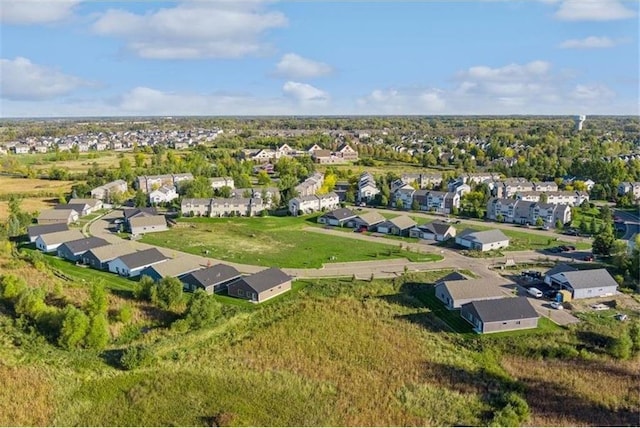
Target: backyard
{"type": "Point", "coordinates": [272, 241]}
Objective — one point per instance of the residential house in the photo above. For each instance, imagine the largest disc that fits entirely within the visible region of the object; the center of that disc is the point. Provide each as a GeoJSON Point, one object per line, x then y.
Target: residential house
{"type": "Point", "coordinates": [163, 195]}
{"type": "Point", "coordinates": [404, 194]}
{"type": "Point", "coordinates": [93, 205]}
{"type": "Point", "coordinates": [212, 279]}
{"type": "Point", "coordinates": [172, 268]}
{"type": "Point", "coordinates": [73, 250]}
{"type": "Point", "coordinates": [489, 316]}
{"type": "Point", "coordinates": [131, 213]}
{"type": "Point", "coordinates": [148, 183]}
{"type": "Point", "coordinates": [98, 258]}
{"type": "Point", "coordinates": [572, 198]}
{"type": "Point", "coordinates": [346, 152]}
{"type": "Point", "coordinates": [629, 187]}
{"type": "Point", "coordinates": [261, 286]}
{"type": "Point", "coordinates": [66, 216]}
{"type": "Point", "coordinates": [51, 241]}
{"type": "Point", "coordinates": [440, 202]}
{"type": "Point", "coordinates": [559, 268]}
{"type": "Point", "coordinates": [81, 209]}
{"type": "Point", "coordinates": [434, 231]}
{"type": "Point", "coordinates": [130, 265]}
{"type": "Point", "coordinates": [106, 191]}
{"type": "Point", "coordinates": [584, 284]}
{"type": "Point", "coordinates": [147, 224]}
{"type": "Point", "coordinates": [367, 188]}
{"type": "Point", "coordinates": [510, 186]}
{"type": "Point", "coordinates": [337, 217]}
{"type": "Point", "coordinates": [311, 185]}
{"type": "Point", "coordinates": [423, 180]}
{"type": "Point", "coordinates": [545, 186]}
{"type": "Point", "coordinates": [219, 182]}
{"type": "Point", "coordinates": [195, 207]}
{"type": "Point", "coordinates": [396, 226]}
{"type": "Point", "coordinates": [482, 241]}
{"type": "Point", "coordinates": [43, 229]}
{"type": "Point", "coordinates": [313, 203]}
{"type": "Point", "coordinates": [455, 292]}
{"type": "Point", "coordinates": [367, 220]}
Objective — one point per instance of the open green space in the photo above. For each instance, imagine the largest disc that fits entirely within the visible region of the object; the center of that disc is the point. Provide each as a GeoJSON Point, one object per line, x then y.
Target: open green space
{"type": "Point", "coordinates": [272, 241]}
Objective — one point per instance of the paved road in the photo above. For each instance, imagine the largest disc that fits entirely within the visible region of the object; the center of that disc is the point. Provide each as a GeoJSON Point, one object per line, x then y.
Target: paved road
{"type": "Point", "coordinates": [631, 223]}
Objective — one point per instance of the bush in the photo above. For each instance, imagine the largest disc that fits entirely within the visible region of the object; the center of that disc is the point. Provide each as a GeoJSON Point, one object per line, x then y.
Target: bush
{"type": "Point", "coordinates": [98, 333]}
{"type": "Point", "coordinates": [136, 356]}
{"type": "Point", "coordinates": [202, 310]}
{"type": "Point", "coordinates": [514, 413]}
{"type": "Point", "coordinates": [168, 293]}
{"type": "Point", "coordinates": [75, 325]}
{"type": "Point", "coordinates": [11, 286]}
{"type": "Point", "coordinates": [621, 347]}
{"type": "Point", "coordinates": [144, 288]}
{"type": "Point", "coordinates": [125, 314]}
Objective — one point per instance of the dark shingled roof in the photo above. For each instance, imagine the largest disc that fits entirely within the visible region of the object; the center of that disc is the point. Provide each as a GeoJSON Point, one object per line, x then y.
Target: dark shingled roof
{"type": "Point", "coordinates": [213, 275]}
{"type": "Point", "coordinates": [134, 212]}
{"type": "Point", "coordinates": [592, 278]}
{"type": "Point", "coordinates": [142, 258]}
{"type": "Point", "coordinates": [85, 244]}
{"type": "Point", "coordinates": [341, 214]}
{"type": "Point", "coordinates": [265, 280]}
{"type": "Point", "coordinates": [453, 276]}
{"type": "Point", "coordinates": [510, 308]}
{"type": "Point", "coordinates": [43, 229]}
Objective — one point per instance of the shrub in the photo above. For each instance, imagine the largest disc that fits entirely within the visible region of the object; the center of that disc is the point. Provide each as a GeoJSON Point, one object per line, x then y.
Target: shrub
{"type": "Point", "coordinates": [125, 314]}
{"type": "Point", "coordinates": [202, 310]}
{"type": "Point", "coordinates": [144, 288]}
{"type": "Point", "coordinates": [514, 413]}
{"type": "Point", "coordinates": [75, 325]}
{"type": "Point", "coordinates": [136, 356]}
{"type": "Point", "coordinates": [11, 286]}
{"type": "Point", "coordinates": [621, 347]}
{"type": "Point", "coordinates": [98, 333]}
{"type": "Point", "coordinates": [168, 293]}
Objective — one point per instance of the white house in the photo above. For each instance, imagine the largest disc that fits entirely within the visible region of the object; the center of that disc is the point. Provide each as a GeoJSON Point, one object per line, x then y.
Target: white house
{"type": "Point", "coordinates": [130, 265]}
{"type": "Point", "coordinates": [163, 194]}
{"type": "Point", "coordinates": [584, 284]}
{"type": "Point", "coordinates": [482, 241]}
{"type": "Point", "coordinates": [51, 241]}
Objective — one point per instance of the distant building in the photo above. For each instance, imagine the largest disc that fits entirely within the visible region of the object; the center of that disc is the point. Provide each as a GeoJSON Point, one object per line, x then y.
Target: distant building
{"type": "Point", "coordinates": [579, 120]}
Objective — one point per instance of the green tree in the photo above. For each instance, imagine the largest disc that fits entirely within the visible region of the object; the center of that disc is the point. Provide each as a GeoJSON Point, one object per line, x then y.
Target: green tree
{"type": "Point", "coordinates": [202, 310]}
{"type": "Point", "coordinates": [559, 225]}
{"type": "Point", "coordinates": [140, 199]}
{"type": "Point", "coordinates": [415, 205]}
{"type": "Point", "coordinates": [11, 286]}
{"type": "Point", "coordinates": [143, 289]}
{"type": "Point", "coordinates": [621, 347]}
{"type": "Point", "coordinates": [603, 242]}
{"type": "Point", "coordinates": [539, 222]}
{"type": "Point", "coordinates": [125, 314]}
{"type": "Point", "coordinates": [30, 302]}
{"type": "Point", "coordinates": [399, 204]}
{"type": "Point", "coordinates": [137, 356]}
{"type": "Point", "coordinates": [75, 325]}
{"type": "Point", "coordinates": [98, 302]}
{"type": "Point", "coordinates": [97, 333]}
{"type": "Point", "coordinates": [263, 178]}
{"type": "Point", "coordinates": [169, 293]}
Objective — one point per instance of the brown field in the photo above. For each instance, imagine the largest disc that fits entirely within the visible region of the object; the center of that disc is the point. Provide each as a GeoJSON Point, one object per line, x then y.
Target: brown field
{"type": "Point", "coordinates": [28, 205]}
{"type": "Point", "coordinates": [22, 385]}
{"type": "Point", "coordinates": [32, 186]}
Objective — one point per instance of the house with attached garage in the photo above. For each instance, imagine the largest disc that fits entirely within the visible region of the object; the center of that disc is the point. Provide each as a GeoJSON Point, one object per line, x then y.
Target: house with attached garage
{"type": "Point", "coordinates": [130, 265]}
{"type": "Point", "coordinates": [73, 250]}
{"type": "Point", "coordinates": [584, 284]}
{"type": "Point", "coordinates": [212, 279]}
{"type": "Point", "coordinates": [163, 195]}
{"type": "Point", "coordinates": [66, 216]}
{"type": "Point", "coordinates": [482, 241]}
{"type": "Point", "coordinates": [42, 229]}
{"type": "Point", "coordinates": [93, 205]}
{"type": "Point", "coordinates": [261, 286]}
{"type": "Point", "coordinates": [455, 291]}
{"type": "Point", "coordinates": [434, 231]}
{"type": "Point", "coordinates": [396, 226]}
{"type": "Point", "coordinates": [173, 268]}
{"type": "Point", "coordinates": [99, 258]}
{"type": "Point", "coordinates": [559, 268]}
{"type": "Point", "coordinates": [490, 316]}
{"type": "Point", "coordinates": [51, 241]}
{"type": "Point", "coordinates": [367, 220]}
{"type": "Point", "coordinates": [82, 209]}
{"type": "Point", "coordinates": [143, 224]}
{"type": "Point", "coordinates": [338, 217]}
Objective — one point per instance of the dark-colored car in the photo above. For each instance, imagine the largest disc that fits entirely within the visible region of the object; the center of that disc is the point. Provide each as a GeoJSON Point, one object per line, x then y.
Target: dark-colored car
{"type": "Point", "coordinates": [588, 258]}
{"type": "Point", "coordinates": [555, 250]}
{"type": "Point", "coordinates": [571, 247]}
{"type": "Point", "coordinates": [563, 248]}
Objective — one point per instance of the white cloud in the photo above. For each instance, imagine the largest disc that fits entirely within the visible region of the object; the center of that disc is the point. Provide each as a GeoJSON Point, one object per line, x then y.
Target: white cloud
{"type": "Point", "coordinates": [511, 72]}
{"type": "Point", "coordinates": [215, 29]}
{"type": "Point", "coordinates": [24, 80]}
{"type": "Point", "coordinates": [592, 93]}
{"type": "Point", "coordinates": [296, 67]}
{"type": "Point", "coordinates": [591, 42]}
{"type": "Point", "coordinates": [402, 101]}
{"type": "Point", "coordinates": [593, 10]}
{"type": "Point", "coordinates": [304, 93]}
{"type": "Point", "coordinates": [35, 11]}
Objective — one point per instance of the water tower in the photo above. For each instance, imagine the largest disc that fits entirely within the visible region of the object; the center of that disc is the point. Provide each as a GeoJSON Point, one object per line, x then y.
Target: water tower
{"type": "Point", "coordinates": [579, 121]}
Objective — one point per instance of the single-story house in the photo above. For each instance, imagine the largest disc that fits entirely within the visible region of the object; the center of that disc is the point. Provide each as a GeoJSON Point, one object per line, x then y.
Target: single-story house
{"type": "Point", "coordinates": [559, 268]}
{"type": "Point", "coordinates": [261, 286]}
{"type": "Point", "coordinates": [434, 231]}
{"type": "Point", "coordinates": [144, 224]}
{"type": "Point", "coordinates": [130, 213]}
{"type": "Point", "coordinates": [51, 241]}
{"type": "Point", "coordinates": [397, 226]}
{"type": "Point", "coordinates": [81, 208]}
{"type": "Point", "coordinates": [337, 217]}
{"type": "Point", "coordinates": [368, 220]}
{"type": "Point", "coordinates": [44, 229]}
{"type": "Point", "coordinates": [456, 292]}
{"type": "Point", "coordinates": [132, 264]}
{"type": "Point", "coordinates": [584, 284]}
{"type": "Point", "coordinates": [58, 216]}
{"type": "Point", "coordinates": [98, 258]}
{"type": "Point", "coordinates": [212, 279]}
{"type": "Point", "coordinates": [173, 268]}
{"type": "Point", "coordinates": [73, 250]}
{"type": "Point", "coordinates": [482, 241]}
{"type": "Point", "coordinates": [93, 204]}
{"type": "Point", "coordinates": [490, 316]}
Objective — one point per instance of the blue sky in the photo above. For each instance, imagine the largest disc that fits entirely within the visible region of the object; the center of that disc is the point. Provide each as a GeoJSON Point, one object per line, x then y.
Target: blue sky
{"type": "Point", "coordinates": [261, 57]}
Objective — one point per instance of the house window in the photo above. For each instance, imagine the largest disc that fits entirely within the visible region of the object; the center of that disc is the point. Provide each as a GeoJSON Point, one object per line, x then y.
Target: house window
{"type": "Point", "coordinates": [240, 292]}
{"type": "Point", "coordinates": [517, 322]}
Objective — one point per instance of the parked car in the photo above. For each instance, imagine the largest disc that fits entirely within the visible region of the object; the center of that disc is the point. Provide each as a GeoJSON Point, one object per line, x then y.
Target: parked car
{"type": "Point", "coordinates": [588, 258]}
{"type": "Point", "coordinates": [571, 247]}
{"type": "Point", "coordinates": [621, 317]}
{"type": "Point", "coordinates": [563, 248]}
{"type": "Point", "coordinates": [550, 294]}
{"type": "Point", "coordinates": [535, 292]}
{"type": "Point", "coordinates": [556, 305]}
{"type": "Point", "coordinates": [555, 250]}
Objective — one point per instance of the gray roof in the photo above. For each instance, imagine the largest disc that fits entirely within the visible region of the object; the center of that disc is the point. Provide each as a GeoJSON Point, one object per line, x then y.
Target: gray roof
{"type": "Point", "coordinates": [85, 244]}
{"type": "Point", "coordinates": [437, 227]}
{"type": "Point", "coordinates": [213, 275]}
{"type": "Point", "coordinates": [136, 212]}
{"type": "Point", "coordinates": [142, 258]}
{"type": "Point", "coordinates": [265, 280]}
{"type": "Point", "coordinates": [55, 214]}
{"type": "Point", "coordinates": [61, 237]}
{"type": "Point", "coordinates": [88, 201]}
{"type": "Point", "coordinates": [110, 252]}
{"type": "Point", "coordinates": [484, 237]}
{"type": "Point", "coordinates": [403, 222]}
{"type": "Point", "coordinates": [453, 276]}
{"type": "Point", "coordinates": [371, 218]}
{"type": "Point", "coordinates": [506, 309]}
{"type": "Point", "coordinates": [43, 229]}
{"type": "Point", "coordinates": [592, 278]}
{"type": "Point", "coordinates": [473, 289]}
{"type": "Point", "coordinates": [151, 220]}
{"type": "Point", "coordinates": [560, 268]}
{"type": "Point", "coordinates": [176, 267]}
{"type": "Point", "coordinates": [340, 214]}
{"type": "Point", "coordinates": [76, 207]}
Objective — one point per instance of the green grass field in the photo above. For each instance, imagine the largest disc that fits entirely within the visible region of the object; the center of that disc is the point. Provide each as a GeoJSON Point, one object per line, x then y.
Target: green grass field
{"type": "Point", "coordinates": [272, 241]}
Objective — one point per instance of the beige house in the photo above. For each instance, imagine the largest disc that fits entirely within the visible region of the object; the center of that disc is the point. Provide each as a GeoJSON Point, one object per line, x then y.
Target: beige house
{"type": "Point", "coordinates": [66, 216]}
{"type": "Point", "coordinates": [147, 224]}
{"type": "Point", "coordinates": [261, 286]}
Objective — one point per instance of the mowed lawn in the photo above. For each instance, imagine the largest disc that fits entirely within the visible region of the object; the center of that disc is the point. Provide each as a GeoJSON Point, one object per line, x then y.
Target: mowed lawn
{"type": "Point", "coordinates": [272, 241]}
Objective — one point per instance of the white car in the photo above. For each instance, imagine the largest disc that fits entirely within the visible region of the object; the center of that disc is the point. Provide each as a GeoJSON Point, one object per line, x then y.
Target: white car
{"type": "Point", "coordinates": [556, 305]}
{"type": "Point", "coordinates": [534, 292]}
